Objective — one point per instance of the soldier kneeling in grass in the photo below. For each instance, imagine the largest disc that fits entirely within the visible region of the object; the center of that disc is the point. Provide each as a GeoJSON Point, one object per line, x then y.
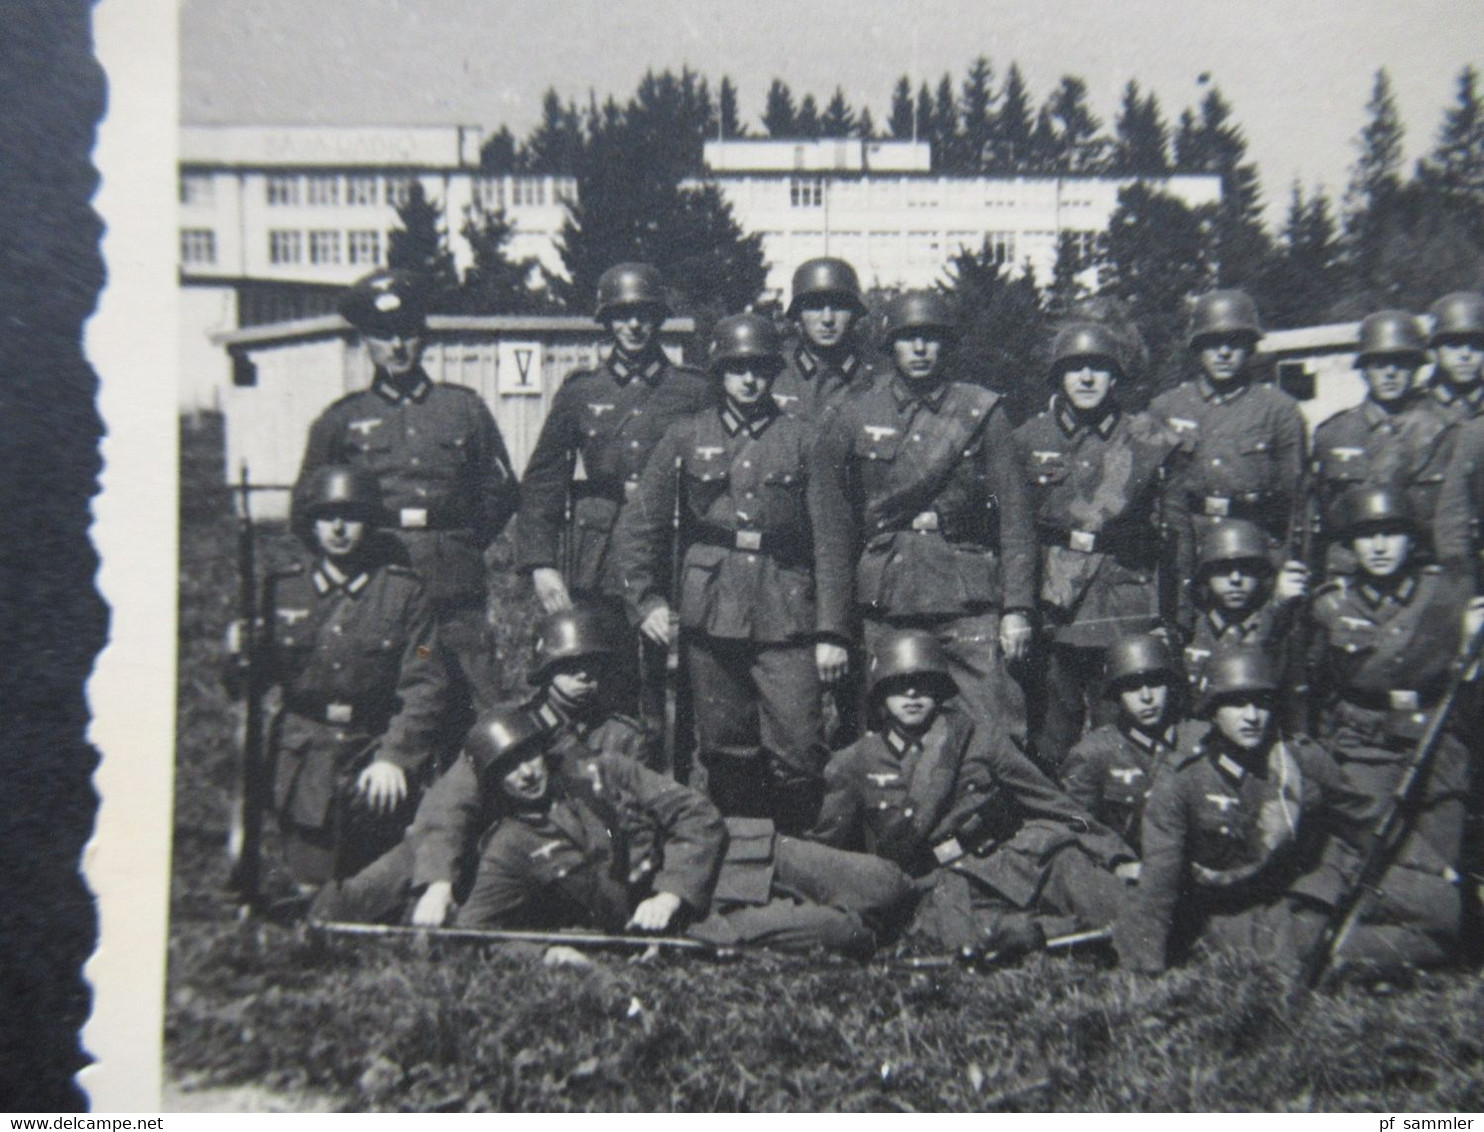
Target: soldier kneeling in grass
{"type": "Point", "coordinates": [1002, 856]}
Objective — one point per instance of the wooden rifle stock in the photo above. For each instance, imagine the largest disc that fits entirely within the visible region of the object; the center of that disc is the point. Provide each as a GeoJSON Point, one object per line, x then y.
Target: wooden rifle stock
{"type": "Point", "coordinates": [245, 835]}
{"type": "Point", "coordinates": [672, 653]}
{"type": "Point", "coordinates": [491, 935]}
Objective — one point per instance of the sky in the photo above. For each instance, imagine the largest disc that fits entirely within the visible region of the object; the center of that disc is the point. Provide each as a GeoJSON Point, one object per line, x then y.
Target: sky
{"type": "Point", "coordinates": [1298, 73]}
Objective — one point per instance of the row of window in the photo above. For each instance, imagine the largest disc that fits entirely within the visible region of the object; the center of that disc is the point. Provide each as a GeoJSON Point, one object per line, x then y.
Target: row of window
{"type": "Point", "coordinates": [330, 189]}
{"type": "Point", "coordinates": [323, 246]}
{"type": "Point", "coordinates": [495, 193]}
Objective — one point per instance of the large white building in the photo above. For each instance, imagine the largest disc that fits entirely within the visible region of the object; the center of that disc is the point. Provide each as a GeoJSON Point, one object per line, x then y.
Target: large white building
{"type": "Point", "coordinates": [275, 219]}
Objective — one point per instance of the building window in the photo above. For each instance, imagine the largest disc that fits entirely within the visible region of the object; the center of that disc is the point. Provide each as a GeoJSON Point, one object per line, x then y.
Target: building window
{"type": "Point", "coordinates": [285, 246]}
{"type": "Point", "coordinates": [489, 193]}
{"type": "Point", "coordinates": [197, 245]}
{"type": "Point", "coordinates": [324, 247]}
{"type": "Point", "coordinates": [324, 190]}
{"type": "Point", "coordinates": [360, 190]}
{"type": "Point", "coordinates": [197, 188]}
{"type": "Point", "coordinates": [527, 190]}
{"type": "Point", "coordinates": [806, 192]}
{"type": "Point", "coordinates": [1001, 246]}
{"type": "Point", "coordinates": [284, 190]}
{"type": "Point", "coordinates": [364, 247]}
{"type": "Point", "coordinates": [398, 191]}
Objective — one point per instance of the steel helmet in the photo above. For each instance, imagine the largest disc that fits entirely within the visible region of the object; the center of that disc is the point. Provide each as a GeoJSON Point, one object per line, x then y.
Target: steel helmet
{"type": "Point", "coordinates": [1243, 670]}
{"type": "Point", "coordinates": [826, 275]}
{"type": "Point", "coordinates": [909, 652]}
{"type": "Point", "coordinates": [501, 736]}
{"type": "Point", "coordinates": [1085, 340]}
{"type": "Point", "coordinates": [918, 310]}
{"type": "Point", "coordinates": [1233, 540]}
{"type": "Point", "coordinates": [631, 285]}
{"type": "Point", "coordinates": [741, 336]}
{"type": "Point", "coordinates": [581, 631]}
{"type": "Point", "coordinates": [352, 492]}
{"type": "Point", "coordinates": [1459, 315]}
{"type": "Point", "coordinates": [1390, 332]}
{"type": "Point", "coordinates": [1138, 656]}
{"type": "Point", "coordinates": [386, 304]}
{"type": "Point", "coordinates": [1221, 313]}
{"type": "Point", "coordinates": [1362, 508]}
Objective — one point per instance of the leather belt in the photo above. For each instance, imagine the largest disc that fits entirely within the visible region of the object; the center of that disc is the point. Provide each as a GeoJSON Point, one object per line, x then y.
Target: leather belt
{"type": "Point", "coordinates": [425, 519]}
{"type": "Point", "coordinates": [336, 713]}
{"type": "Point", "coordinates": [1246, 505]}
{"type": "Point", "coordinates": [1085, 542]}
{"type": "Point", "coordinates": [1397, 699]}
{"type": "Point", "coordinates": [772, 543]}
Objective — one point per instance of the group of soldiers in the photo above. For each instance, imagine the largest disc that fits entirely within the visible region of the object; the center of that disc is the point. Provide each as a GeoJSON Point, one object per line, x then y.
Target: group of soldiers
{"type": "Point", "coordinates": [950, 680]}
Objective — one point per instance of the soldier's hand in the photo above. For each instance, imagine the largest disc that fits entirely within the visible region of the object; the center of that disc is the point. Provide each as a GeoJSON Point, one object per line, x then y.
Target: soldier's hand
{"type": "Point", "coordinates": [561, 955]}
{"type": "Point", "coordinates": [655, 914]}
{"type": "Point", "coordinates": [1015, 636]}
{"type": "Point", "coordinates": [383, 785]}
{"type": "Point", "coordinates": [832, 661]}
{"type": "Point", "coordinates": [1128, 872]}
{"type": "Point", "coordinates": [434, 905]}
{"type": "Point", "coordinates": [1473, 618]}
{"type": "Point", "coordinates": [551, 591]}
{"type": "Point", "coordinates": [1293, 582]}
{"type": "Point", "coordinates": [238, 638]}
{"type": "Point", "coordinates": [657, 626]}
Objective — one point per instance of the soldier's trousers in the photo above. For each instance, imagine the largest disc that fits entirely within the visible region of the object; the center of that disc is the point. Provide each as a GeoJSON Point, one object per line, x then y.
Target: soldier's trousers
{"type": "Point", "coordinates": [821, 897]}
{"type": "Point", "coordinates": [1068, 703]}
{"type": "Point", "coordinates": [468, 643]}
{"type": "Point", "coordinates": [759, 728]}
{"type": "Point", "coordinates": [986, 689]}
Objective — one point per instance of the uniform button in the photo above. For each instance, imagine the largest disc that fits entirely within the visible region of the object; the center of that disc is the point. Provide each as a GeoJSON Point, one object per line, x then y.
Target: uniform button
{"type": "Point", "coordinates": [340, 736]}
{"type": "Point", "coordinates": [747, 463]}
{"type": "Point", "coordinates": [633, 444]}
{"type": "Point", "coordinates": [415, 461]}
{"type": "Point", "coordinates": [907, 813]}
{"type": "Point", "coordinates": [411, 431]}
{"type": "Point", "coordinates": [423, 492]}
{"type": "Point", "coordinates": [752, 495]}
{"type": "Point", "coordinates": [752, 558]}
{"type": "Point", "coordinates": [917, 436]}
{"type": "Point", "coordinates": [337, 666]}
{"type": "Point", "coordinates": [1215, 461]}
{"type": "Point", "coordinates": [336, 629]}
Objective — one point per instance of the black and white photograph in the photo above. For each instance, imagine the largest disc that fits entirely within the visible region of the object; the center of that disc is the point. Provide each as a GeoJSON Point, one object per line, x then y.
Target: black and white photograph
{"type": "Point", "coordinates": [837, 557]}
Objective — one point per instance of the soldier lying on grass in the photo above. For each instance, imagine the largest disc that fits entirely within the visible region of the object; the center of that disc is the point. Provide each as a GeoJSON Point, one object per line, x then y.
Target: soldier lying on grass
{"type": "Point", "coordinates": [1002, 856]}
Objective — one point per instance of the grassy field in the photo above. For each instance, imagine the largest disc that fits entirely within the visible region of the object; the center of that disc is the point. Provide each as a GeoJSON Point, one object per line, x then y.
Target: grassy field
{"type": "Point", "coordinates": [263, 1010]}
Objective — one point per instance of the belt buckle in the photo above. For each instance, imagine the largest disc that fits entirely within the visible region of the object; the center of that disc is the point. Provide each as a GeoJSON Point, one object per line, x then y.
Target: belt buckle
{"type": "Point", "coordinates": [339, 713]}
{"type": "Point", "coordinates": [925, 521]}
{"type": "Point", "coordinates": [1083, 541]}
{"type": "Point", "coordinates": [946, 852]}
{"type": "Point", "coordinates": [413, 518]}
{"type": "Point", "coordinates": [749, 540]}
{"type": "Point", "coordinates": [1403, 700]}
{"type": "Point", "coordinates": [1218, 506]}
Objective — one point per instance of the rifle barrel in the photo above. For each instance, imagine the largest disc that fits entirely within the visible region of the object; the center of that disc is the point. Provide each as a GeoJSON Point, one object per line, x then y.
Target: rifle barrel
{"type": "Point", "coordinates": [492, 935]}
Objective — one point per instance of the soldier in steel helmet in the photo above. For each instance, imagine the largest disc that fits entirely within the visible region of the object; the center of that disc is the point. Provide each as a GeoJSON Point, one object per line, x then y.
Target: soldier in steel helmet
{"type": "Point", "coordinates": [1111, 769]}
{"type": "Point", "coordinates": [604, 421]}
{"type": "Point", "coordinates": [592, 839]}
{"type": "Point", "coordinates": [1241, 599]}
{"type": "Point", "coordinates": [1000, 853]}
{"type": "Point", "coordinates": [764, 599]}
{"type": "Point", "coordinates": [1381, 653]}
{"type": "Point", "coordinates": [1456, 344]}
{"type": "Point", "coordinates": [1106, 491]}
{"type": "Point", "coordinates": [1396, 437]}
{"type": "Point", "coordinates": [1237, 843]}
{"type": "Point", "coordinates": [349, 640]}
{"type": "Point", "coordinates": [1246, 438]}
{"type": "Point", "coordinates": [441, 463]}
{"type": "Point", "coordinates": [937, 510]}
{"type": "Point", "coordinates": [826, 306]}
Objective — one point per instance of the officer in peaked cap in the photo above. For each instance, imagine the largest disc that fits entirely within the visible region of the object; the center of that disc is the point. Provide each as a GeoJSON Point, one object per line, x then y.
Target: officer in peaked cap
{"type": "Point", "coordinates": [1396, 437]}
{"type": "Point", "coordinates": [764, 597]}
{"type": "Point", "coordinates": [926, 467]}
{"type": "Point", "coordinates": [349, 638]}
{"type": "Point", "coordinates": [441, 464]}
{"type": "Point", "coordinates": [1110, 514]}
{"type": "Point", "coordinates": [1456, 344]}
{"type": "Point", "coordinates": [604, 422]}
{"type": "Point", "coordinates": [1246, 438]}
{"type": "Point", "coordinates": [826, 306]}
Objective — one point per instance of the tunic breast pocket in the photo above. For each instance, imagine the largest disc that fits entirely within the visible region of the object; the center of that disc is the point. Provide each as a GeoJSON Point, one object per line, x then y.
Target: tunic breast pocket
{"type": "Point", "coordinates": [783, 492]}
{"type": "Point", "coordinates": [1223, 829]}
{"type": "Point", "coordinates": [367, 447]}
{"type": "Point", "coordinates": [878, 443]}
{"type": "Point", "coordinates": [455, 451]}
{"type": "Point", "coordinates": [1047, 468]}
{"type": "Point", "coordinates": [1124, 786]}
{"type": "Point", "coordinates": [1344, 466]}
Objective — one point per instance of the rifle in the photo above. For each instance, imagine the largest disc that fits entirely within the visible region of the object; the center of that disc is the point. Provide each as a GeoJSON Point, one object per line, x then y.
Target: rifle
{"type": "Point", "coordinates": [245, 835]}
{"type": "Point", "coordinates": [1311, 552]}
{"type": "Point", "coordinates": [1167, 578]}
{"type": "Point", "coordinates": [672, 652]}
{"type": "Point", "coordinates": [490, 935]}
{"type": "Point", "coordinates": [1393, 825]}
{"type": "Point", "coordinates": [976, 960]}
{"type": "Point", "coordinates": [568, 552]}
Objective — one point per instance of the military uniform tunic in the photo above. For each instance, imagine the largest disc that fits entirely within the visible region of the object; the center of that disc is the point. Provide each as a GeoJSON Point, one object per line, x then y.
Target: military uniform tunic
{"type": "Point", "coordinates": [1460, 408]}
{"type": "Point", "coordinates": [983, 828]}
{"type": "Point", "coordinates": [1111, 769]}
{"type": "Point", "coordinates": [938, 514]}
{"type": "Point", "coordinates": [446, 482]}
{"type": "Point", "coordinates": [1455, 533]}
{"type": "Point", "coordinates": [609, 419]}
{"type": "Point", "coordinates": [360, 679]}
{"type": "Point", "coordinates": [809, 385]}
{"type": "Point", "coordinates": [1247, 453]}
{"type": "Point", "coordinates": [1267, 627]}
{"type": "Point", "coordinates": [1230, 837]}
{"type": "Point", "coordinates": [762, 581]}
{"type": "Point", "coordinates": [614, 833]}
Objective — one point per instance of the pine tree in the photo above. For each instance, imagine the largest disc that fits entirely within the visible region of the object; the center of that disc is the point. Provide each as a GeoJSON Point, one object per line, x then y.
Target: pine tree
{"type": "Point", "coordinates": [1375, 177]}
{"type": "Point", "coordinates": [947, 140]}
{"type": "Point", "coordinates": [839, 119]}
{"type": "Point", "coordinates": [1215, 144]}
{"type": "Point", "coordinates": [420, 245]}
{"type": "Point", "coordinates": [1304, 276]}
{"type": "Point", "coordinates": [1066, 275]}
{"type": "Point", "coordinates": [1075, 146]}
{"type": "Point", "coordinates": [556, 143]}
{"type": "Point", "coordinates": [1010, 142]}
{"type": "Point", "coordinates": [1002, 328]}
{"type": "Point", "coordinates": [1456, 165]}
{"type": "Point", "coordinates": [1141, 144]}
{"type": "Point", "coordinates": [498, 154]}
{"type": "Point", "coordinates": [900, 122]}
{"type": "Point", "coordinates": [807, 124]}
{"type": "Point", "coordinates": [780, 118]}
{"type": "Point", "coordinates": [495, 283]}
{"type": "Point", "coordinates": [731, 125]}
{"type": "Point", "coordinates": [865, 126]}
{"type": "Point", "coordinates": [976, 104]}
{"type": "Point", "coordinates": [925, 119]}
